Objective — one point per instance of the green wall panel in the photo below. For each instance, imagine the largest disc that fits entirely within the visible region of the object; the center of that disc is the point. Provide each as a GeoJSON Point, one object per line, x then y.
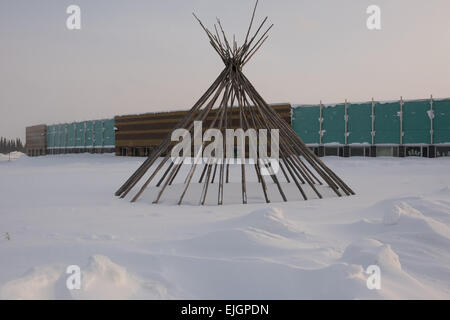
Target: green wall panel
{"type": "Point", "coordinates": [333, 124]}
{"type": "Point", "coordinates": [61, 136]}
{"type": "Point", "coordinates": [108, 133]}
{"type": "Point", "coordinates": [359, 124]}
{"type": "Point", "coordinates": [80, 134]}
{"type": "Point", "coordinates": [441, 125]}
{"type": "Point", "coordinates": [71, 135]}
{"type": "Point", "coordinates": [48, 138]}
{"type": "Point", "coordinates": [56, 143]}
{"type": "Point", "coordinates": [66, 130]}
{"type": "Point", "coordinates": [89, 134]}
{"type": "Point", "coordinates": [98, 134]}
{"type": "Point", "coordinates": [416, 122]}
{"type": "Point", "coordinates": [305, 122]}
{"type": "Point", "coordinates": [55, 136]}
{"type": "Point", "coordinates": [51, 136]}
{"type": "Point", "coordinates": [85, 134]}
{"type": "Point", "coordinates": [387, 123]}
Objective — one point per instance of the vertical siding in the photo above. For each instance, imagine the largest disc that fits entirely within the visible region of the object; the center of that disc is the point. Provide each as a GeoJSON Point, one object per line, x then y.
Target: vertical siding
{"type": "Point", "coordinates": [89, 142]}
{"type": "Point", "coordinates": [84, 135]}
{"type": "Point", "coordinates": [61, 136]}
{"type": "Point", "coordinates": [51, 137]}
{"type": "Point", "coordinates": [71, 135]}
{"type": "Point", "coordinates": [387, 123]}
{"type": "Point", "coordinates": [306, 123]}
{"type": "Point", "coordinates": [416, 122]}
{"type": "Point", "coordinates": [333, 125]}
{"type": "Point", "coordinates": [359, 123]}
{"type": "Point", "coordinates": [108, 133]}
{"type": "Point", "coordinates": [98, 133]}
{"type": "Point", "coordinates": [79, 140]}
{"type": "Point", "coordinates": [441, 121]}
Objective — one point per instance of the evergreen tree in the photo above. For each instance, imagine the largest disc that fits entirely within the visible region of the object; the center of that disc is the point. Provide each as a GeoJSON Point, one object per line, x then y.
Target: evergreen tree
{"type": "Point", "coordinates": [11, 145]}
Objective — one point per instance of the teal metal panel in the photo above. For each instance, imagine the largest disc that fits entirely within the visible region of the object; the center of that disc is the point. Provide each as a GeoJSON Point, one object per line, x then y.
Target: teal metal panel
{"type": "Point", "coordinates": [61, 136]}
{"type": "Point", "coordinates": [359, 124]}
{"type": "Point", "coordinates": [108, 132]}
{"type": "Point", "coordinates": [387, 123]}
{"type": "Point", "coordinates": [89, 134]}
{"type": "Point", "coordinates": [64, 132]}
{"type": "Point", "coordinates": [80, 134]}
{"type": "Point", "coordinates": [333, 124]}
{"type": "Point", "coordinates": [50, 136]}
{"type": "Point", "coordinates": [416, 122]}
{"type": "Point", "coordinates": [71, 135]}
{"type": "Point", "coordinates": [98, 133]}
{"type": "Point", "coordinates": [56, 136]}
{"type": "Point", "coordinates": [441, 130]}
{"type": "Point", "coordinates": [306, 123]}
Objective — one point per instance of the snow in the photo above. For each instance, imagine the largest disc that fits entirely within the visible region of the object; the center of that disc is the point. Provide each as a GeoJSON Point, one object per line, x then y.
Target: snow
{"type": "Point", "coordinates": [13, 156]}
{"type": "Point", "coordinates": [60, 211]}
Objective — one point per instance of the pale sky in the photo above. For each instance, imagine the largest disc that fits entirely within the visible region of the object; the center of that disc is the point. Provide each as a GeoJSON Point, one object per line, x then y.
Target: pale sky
{"type": "Point", "coordinates": [139, 56]}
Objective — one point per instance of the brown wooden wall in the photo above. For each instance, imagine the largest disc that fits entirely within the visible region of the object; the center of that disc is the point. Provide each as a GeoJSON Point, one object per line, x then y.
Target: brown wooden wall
{"type": "Point", "coordinates": [36, 140]}
{"type": "Point", "coordinates": [147, 131]}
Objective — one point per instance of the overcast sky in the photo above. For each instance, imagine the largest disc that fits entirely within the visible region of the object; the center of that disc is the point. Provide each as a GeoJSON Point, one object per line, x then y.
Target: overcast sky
{"type": "Point", "coordinates": [138, 56]}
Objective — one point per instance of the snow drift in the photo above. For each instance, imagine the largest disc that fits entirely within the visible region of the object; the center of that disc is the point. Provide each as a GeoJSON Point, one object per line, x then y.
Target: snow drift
{"type": "Point", "coordinates": [59, 211]}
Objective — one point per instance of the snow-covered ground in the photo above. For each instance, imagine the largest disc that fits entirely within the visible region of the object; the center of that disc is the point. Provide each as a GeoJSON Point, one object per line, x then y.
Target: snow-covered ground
{"type": "Point", "coordinates": [10, 157]}
{"type": "Point", "coordinates": [57, 211]}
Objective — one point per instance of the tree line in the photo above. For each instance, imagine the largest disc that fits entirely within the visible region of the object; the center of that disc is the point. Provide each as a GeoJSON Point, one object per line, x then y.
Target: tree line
{"type": "Point", "coordinates": [10, 145]}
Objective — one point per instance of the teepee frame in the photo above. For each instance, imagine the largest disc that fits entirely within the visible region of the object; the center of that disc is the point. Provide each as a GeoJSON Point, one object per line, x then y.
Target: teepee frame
{"type": "Point", "coordinates": [233, 91]}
